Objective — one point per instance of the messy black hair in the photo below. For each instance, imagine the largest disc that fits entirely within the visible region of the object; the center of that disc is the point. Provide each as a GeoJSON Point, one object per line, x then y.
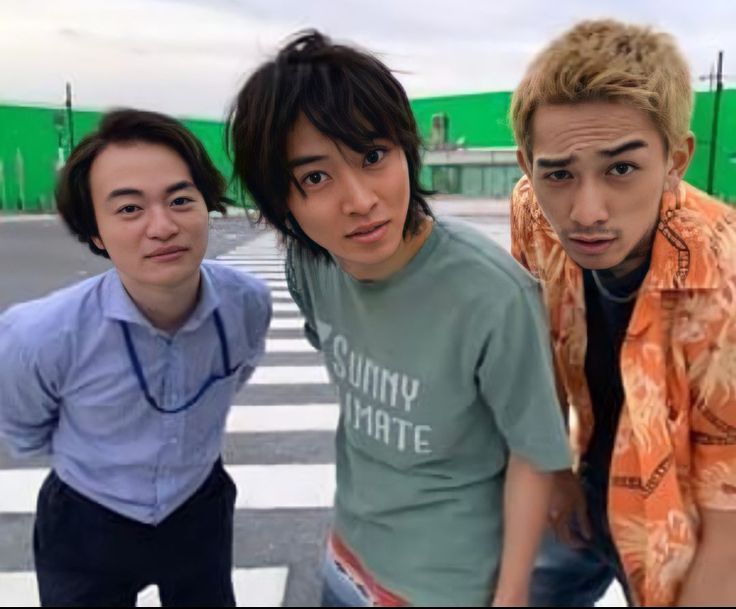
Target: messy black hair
{"type": "Point", "coordinates": [347, 94]}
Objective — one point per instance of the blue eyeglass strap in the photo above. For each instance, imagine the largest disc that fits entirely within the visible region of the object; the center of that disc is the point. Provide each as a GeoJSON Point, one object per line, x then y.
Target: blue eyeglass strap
{"type": "Point", "coordinates": [138, 369]}
{"type": "Point", "coordinates": [137, 365]}
{"type": "Point", "coordinates": [223, 343]}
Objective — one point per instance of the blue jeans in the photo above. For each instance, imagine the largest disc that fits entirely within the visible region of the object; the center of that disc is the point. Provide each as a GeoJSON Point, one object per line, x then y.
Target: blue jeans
{"type": "Point", "coordinates": [566, 576]}
{"type": "Point", "coordinates": [338, 589]}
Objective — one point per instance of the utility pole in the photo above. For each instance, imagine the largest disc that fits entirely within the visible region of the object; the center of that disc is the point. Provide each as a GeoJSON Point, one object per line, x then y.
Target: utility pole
{"type": "Point", "coordinates": [714, 124]}
{"type": "Point", "coordinates": [69, 116]}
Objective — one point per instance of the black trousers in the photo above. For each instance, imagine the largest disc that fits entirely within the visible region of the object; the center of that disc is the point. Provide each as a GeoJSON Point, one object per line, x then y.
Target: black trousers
{"type": "Point", "coordinates": [87, 555]}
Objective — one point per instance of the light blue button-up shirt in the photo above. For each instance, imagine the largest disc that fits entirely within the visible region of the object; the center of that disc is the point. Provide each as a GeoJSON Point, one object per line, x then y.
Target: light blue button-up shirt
{"type": "Point", "coordinates": [68, 387]}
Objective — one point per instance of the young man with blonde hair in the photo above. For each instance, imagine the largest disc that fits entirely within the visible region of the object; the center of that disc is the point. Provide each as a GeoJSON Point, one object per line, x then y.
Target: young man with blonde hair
{"type": "Point", "coordinates": [639, 276]}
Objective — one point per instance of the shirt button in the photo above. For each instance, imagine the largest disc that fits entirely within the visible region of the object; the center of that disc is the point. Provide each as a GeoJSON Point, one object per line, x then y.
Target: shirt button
{"type": "Point", "coordinates": [173, 440]}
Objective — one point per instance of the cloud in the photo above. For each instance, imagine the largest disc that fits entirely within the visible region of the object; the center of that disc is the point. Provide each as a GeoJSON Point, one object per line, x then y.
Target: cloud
{"type": "Point", "coordinates": [188, 56]}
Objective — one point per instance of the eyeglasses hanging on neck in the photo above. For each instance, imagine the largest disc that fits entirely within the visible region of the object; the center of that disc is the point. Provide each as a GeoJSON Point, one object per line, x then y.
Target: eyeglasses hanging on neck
{"type": "Point", "coordinates": [213, 378]}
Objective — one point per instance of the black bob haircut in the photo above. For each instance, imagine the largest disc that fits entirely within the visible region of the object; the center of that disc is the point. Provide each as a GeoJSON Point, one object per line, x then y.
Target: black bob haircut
{"type": "Point", "coordinates": [73, 196]}
{"type": "Point", "coordinates": [347, 94]}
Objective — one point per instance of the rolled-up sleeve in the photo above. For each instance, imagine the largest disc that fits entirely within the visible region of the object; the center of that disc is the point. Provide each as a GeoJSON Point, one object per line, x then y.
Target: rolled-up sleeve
{"type": "Point", "coordinates": [28, 407]}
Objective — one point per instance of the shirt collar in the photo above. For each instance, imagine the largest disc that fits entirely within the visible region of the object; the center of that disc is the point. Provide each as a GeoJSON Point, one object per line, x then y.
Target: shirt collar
{"type": "Point", "coordinates": [118, 305]}
{"type": "Point", "coordinates": [683, 256]}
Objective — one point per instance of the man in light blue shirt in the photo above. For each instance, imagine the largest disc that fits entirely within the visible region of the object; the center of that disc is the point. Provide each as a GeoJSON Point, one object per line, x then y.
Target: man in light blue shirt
{"type": "Point", "coordinates": [125, 379]}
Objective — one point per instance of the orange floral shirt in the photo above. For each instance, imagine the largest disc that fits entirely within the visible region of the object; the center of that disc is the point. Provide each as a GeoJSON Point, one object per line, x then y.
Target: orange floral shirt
{"type": "Point", "coordinates": [675, 450]}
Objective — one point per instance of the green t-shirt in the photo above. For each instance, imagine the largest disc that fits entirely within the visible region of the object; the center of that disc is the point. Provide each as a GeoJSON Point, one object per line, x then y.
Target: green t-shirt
{"type": "Point", "coordinates": [441, 370]}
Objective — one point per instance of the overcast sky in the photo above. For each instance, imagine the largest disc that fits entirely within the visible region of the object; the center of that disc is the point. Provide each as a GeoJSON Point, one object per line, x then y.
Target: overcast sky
{"type": "Point", "coordinates": [187, 57]}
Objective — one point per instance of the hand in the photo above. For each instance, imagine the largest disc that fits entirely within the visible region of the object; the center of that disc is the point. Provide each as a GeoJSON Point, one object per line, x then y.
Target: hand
{"type": "Point", "coordinates": [568, 508]}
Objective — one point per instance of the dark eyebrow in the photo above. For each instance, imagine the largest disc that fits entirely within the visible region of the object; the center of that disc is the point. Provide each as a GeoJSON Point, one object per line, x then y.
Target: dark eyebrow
{"type": "Point", "coordinates": [555, 163]}
{"type": "Point", "coordinates": [126, 192]}
{"type": "Point", "coordinates": [611, 152]}
{"type": "Point", "coordinates": [305, 160]}
{"type": "Point", "coordinates": [633, 145]}
{"type": "Point", "coordinates": [183, 185]}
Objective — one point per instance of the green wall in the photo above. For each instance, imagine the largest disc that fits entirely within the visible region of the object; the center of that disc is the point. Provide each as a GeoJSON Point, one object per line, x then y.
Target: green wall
{"type": "Point", "coordinates": [32, 139]}
{"type": "Point", "coordinates": [476, 121]}
{"type": "Point", "coordinates": [480, 120]}
{"type": "Point", "coordinates": [30, 143]}
{"type": "Point", "coordinates": [724, 182]}
{"type": "Point", "coordinates": [28, 157]}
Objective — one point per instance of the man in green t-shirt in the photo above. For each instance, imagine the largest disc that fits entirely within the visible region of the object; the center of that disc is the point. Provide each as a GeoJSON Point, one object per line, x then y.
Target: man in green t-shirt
{"type": "Point", "coordinates": [432, 334]}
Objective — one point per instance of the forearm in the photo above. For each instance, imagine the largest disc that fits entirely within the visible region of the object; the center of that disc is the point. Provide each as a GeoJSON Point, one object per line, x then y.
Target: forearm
{"type": "Point", "coordinates": [526, 499]}
{"type": "Point", "coordinates": [710, 581]}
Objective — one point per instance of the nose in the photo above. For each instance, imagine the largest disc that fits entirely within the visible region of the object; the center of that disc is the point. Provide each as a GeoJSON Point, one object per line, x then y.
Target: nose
{"type": "Point", "coordinates": [161, 223]}
{"type": "Point", "coordinates": [358, 196]}
{"type": "Point", "coordinates": [589, 204]}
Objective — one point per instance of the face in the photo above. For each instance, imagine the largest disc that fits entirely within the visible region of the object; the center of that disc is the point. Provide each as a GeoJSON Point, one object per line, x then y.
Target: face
{"type": "Point", "coordinates": [599, 170]}
{"type": "Point", "coordinates": [152, 220]}
{"type": "Point", "coordinates": [354, 204]}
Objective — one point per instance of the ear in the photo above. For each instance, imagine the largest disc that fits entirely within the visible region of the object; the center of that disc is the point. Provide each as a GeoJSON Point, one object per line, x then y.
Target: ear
{"type": "Point", "coordinates": [521, 160]}
{"type": "Point", "coordinates": [98, 242]}
{"type": "Point", "coordinates": [679, 160]}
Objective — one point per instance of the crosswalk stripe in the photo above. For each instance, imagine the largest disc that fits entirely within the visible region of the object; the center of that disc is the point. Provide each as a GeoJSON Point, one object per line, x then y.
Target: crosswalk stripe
{"type": "Point", "coordinates": [267, 487]}
{"type": "Point", "coordinates": [269, 261]}
{"type": "Point", "coordinates": [253, 265]}
{"type": "Point", "coordinates": [257, 269]}
{"type": "Point", "coordinates": [260, 254]}
{"type": "Point", "coordinates": [283, 418]}
{"type": "Point", "coordinates": [256, 587]}
{"type": "Point", "coordinates": [245, 259]}
{"type": "Point", "coordinates": [289, 375]}
{"type": "Point", "coordinates": [262, 587]}
{"type": "Point", "coordinates": [279, 285]}
{"type": "Point", "coordinates": [288, 345]}
{"type": "Point", "coordinates": [278, 275]}
{"type": "Point", "coordinates": [260, 487]}
{"type": "Point", "coordinates": [284, 307]}
{"type": "Point", "coordinates": [287, 323]}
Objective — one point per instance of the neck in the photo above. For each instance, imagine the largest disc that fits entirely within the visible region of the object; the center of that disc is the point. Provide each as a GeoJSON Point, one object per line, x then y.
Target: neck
{"type": "Point", "coordinates": [627, 266]}
{"type": "Point", "coordinates": [637, 256]}
{"type": "Point", "coordinates": [167, 308]}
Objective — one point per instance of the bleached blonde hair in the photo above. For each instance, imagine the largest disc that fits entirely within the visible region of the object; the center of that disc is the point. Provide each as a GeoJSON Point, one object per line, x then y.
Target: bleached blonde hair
{"type": "Point", "coordinates": [606, 60]}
